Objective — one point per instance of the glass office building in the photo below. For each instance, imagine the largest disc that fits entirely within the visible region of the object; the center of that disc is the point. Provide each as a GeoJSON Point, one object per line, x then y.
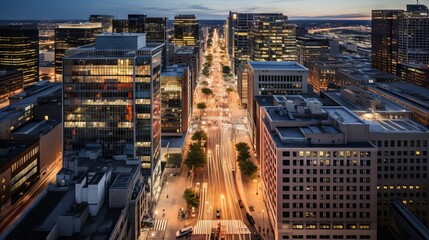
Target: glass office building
{"type": "Point", "coordinates": [112, 99]}
{"type": "Point", "coordinates": [186, 30]}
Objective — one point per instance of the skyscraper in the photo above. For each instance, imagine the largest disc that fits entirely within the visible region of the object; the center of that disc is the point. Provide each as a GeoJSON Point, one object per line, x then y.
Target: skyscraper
{"type": "Point", "coordinates": [19, 50]}
{"type": "Point", "coordinates": [156, 32]}
{"type": "Point", "coordinates": [68, 36]}
{"type": "Point", "coordinates": [400, 36]}
{"type": "Point", "coordinates": [272, 39]}
{"type": "Point", "coordinates": [112, 99]}
{"type": "Point", "coordinates": [136, 23]}
{"type": "Point", "coordinates": [120, 26]}
{"type": "Point", "coordinates": [186, 30]}
{"type": "Point", "coordinates": [309, 49]}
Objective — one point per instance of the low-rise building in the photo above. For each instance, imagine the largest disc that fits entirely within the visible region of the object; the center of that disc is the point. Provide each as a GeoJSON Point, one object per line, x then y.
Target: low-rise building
{"type": "Point", "coordinates": [414, 73]}
{"type": "Point", "coordinates": [11, 83]}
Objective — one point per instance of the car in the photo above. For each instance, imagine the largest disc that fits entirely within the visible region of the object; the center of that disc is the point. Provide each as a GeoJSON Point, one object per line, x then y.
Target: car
{"type": "Point", "coordinates": [257, 237]}
{"type": "Point", "coordinates": [240, 203]}
{"type": "Point", "coordinates": [184, 232]}
{"type": "Point", "coordinates": [218, 213]}
{"type": "Point", "coordinates": [250, 219]}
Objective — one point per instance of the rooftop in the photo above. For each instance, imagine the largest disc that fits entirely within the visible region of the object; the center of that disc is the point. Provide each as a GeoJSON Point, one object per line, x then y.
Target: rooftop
{"type": "Point", "coordinates": [271, 65]}
{"type": "Point", "coordinates": [85, 25]}
{"type": "Point", "coordinates": [122, 181]}
{"type": "Point", "coordinates": [342, 115]}
{"type": "Point", "coordinates": [40, 127]}
{"type": "Point", "coordinates": [397, 126]}
{"type": "Point", "coordinates": [10, 150]}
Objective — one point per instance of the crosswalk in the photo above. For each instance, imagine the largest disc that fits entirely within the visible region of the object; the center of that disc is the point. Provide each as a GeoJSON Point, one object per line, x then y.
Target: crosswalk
{"type": "Point", "coordinates": [159, 225]}
{"type": "Point", "coordinates": [227, 226]}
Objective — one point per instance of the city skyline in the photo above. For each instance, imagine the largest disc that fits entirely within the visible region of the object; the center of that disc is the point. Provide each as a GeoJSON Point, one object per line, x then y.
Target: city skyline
{"type": "Point", "coordinates": [295, 9]}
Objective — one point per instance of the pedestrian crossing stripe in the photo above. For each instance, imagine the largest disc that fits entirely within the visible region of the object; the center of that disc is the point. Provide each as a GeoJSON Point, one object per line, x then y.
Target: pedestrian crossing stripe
{"type": "Point", "coordinates": [159, 225]}
{"type": "Point", "coordinates": [228, 226]}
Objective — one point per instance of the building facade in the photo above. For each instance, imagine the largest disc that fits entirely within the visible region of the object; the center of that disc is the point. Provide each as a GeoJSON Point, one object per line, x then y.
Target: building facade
{"type": "Point", "coordinates": [11, 83]}
{"type": "Point", "coordinates": [414, 73]}
{"type": "Point", "coordinates": [311, 49]}
{"type": "Point", "coordinates": [318, 172]}
{"type": "Point", "coordinates": [68, 36]}
{"type": "Point", "coordinates": [186, 30]}
{"type": "Point", "coordinates": [175, 101]}
{"type": "Point", "coordinates": [112, 99]}
{"type": "Point", "coordinates": [19, 50]}
{"type": "Point", "coordinates": [105, 20]}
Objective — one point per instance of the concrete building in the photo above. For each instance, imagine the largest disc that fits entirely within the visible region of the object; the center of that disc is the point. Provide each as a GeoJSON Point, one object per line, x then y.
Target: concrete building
{"type": "Point", "coordinates": [19, 48]}
{"type": "Point", "coordinates": [242, 85]}
{"type": "Point", "coordinates": [362, 77]}
{"type": "Point", "coordinates": [11, 83]}
{"type": "Point", "coordinates": [68, 36]}
{"type": "Point", "coordinates": [408, 95]}
{"type": "Point", "coordinates": [191, 57]}
{"type": "Point", "coordinates": [186, 30]}
{"type": "Point", "coordinates": [120, 26]}
{"type": "Point", "coordinates": [272, 39]}
{"type": "Point", "coordinates": [401, 151]}
{"type": "Point", "coordinates": [322, 74]}
{"type": "Point", "coordinates": [122, 113]}
{"type": "Point", "coordinates": [100, 198]}
{"type": "Point", "coordinates": [318, 171]}
{"type": "Point", "coordinates": [414, 73]}
{"type": "Point", "coordinates": [273, 78]}
{"type": "Point", "coordinates": [176, 102]}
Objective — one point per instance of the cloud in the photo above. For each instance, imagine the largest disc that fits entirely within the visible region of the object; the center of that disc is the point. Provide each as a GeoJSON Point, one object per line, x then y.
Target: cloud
{"type": "Point", "coordinates": [199, 7]}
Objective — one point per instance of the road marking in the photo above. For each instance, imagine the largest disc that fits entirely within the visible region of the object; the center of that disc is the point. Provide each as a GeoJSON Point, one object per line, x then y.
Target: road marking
{"type": "Point", "coordinates": [159, 225]}
{"type": "Point", "coordinates": [228, 226]}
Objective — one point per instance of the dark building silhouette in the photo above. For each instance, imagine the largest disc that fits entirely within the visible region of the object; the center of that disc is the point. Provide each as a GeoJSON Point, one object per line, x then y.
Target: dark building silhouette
{"type": "Point", "coordinates": [105, 20]}
{"type": "Point", "coordinates": [19, 50]}
{"type": "Point", "coordinates": [136, 23]}
{"type": "Point", "coordinates": [186, 30]}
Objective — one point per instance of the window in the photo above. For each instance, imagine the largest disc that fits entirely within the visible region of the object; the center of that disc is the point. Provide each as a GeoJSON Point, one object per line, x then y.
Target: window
{"type": "Point", "coordinates": [298, 226]}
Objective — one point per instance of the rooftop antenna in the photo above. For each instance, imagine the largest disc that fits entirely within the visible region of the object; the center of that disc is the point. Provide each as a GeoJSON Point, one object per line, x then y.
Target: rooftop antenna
{"type": "Point", "coordinates": [418, 2]}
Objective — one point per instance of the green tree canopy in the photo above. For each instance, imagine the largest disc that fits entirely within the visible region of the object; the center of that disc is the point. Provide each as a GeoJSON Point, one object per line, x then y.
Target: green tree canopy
{"type": "Point", "coordinates": [199, 136]}
{"type": "Point", "coordinates": [242, 146]}
{"type": "Point", "coordinates": [226, 69]}
{"type": "Point", "coordinates": [204, 83]}
{"type": "Point", "coordinates": [207, 91]}
{"type": "Point", "coordinates": [191, 198]}
{"type": "Point", "coordinates": [248, 168]}
{"type": "Point", "coordinates": [196, 157]}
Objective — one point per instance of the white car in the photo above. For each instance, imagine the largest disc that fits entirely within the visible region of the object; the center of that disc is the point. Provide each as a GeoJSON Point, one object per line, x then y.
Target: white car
{"type": "Point", "coordinates": [184, 231]}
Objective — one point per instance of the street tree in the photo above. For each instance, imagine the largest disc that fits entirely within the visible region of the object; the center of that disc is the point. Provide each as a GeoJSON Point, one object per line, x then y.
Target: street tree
{"type": "Point", "coordinates": [226, 69]}
{"type": "Point", "coordinates": [248, 168]}
{"type": "Point", "coordinates": [196, 157]}
{"type": "Point", "coordinates": [199, 136]}
{"type": "Point", "coordinates": [229, 90]}
{"type": "Point", "coordinates": [201, 106]}
{"type": "Point", "coordinates": [207, 91]}
{"type": "Point", "coordinates": [204, 83]}
{"type": "Point", "coordinates": [191, 198]}
{"type": "Point", "coordinates": [242, 146]}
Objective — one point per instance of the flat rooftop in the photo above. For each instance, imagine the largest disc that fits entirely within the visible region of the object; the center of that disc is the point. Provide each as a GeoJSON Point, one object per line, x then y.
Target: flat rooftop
{"type": "Point", "coordinates": [36, 127]}
{"type": "Point", "coordinates": [271, 65]}
{"type": "Point", "coordinates": [121, 181]}
{"type": "Point", "coordinates": [342, 115]}
{"type": "Point", "coordinates": [399, 126]}
{"type": "Point", "coordinates": [10, 150]}
{"type": "Point", "coordinates": [389, 105]}
{"type": "Point", "coordinates": [407, 92]}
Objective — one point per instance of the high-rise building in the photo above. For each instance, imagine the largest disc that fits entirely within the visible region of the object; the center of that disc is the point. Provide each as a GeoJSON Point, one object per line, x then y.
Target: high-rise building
{"type": "Point", "coordinates": [136, 23]}
{"type": "Point", "coordinates": [310, 49]}
{"type": "Point", "coordinates": [189, 56]}
{"type": "Point", "coordinates": [400, 36]}
{"type": "Point", "coordinates": [19, 50]}
{"type": "Point", "coordinates": [413, 35]}
{"type": "Point", "coordinates": [242, 85]}
{"type": "Point", "coordinates": [68, 36]}
{"type": "Point", "coordinates": [272, 78]}
{"type": "Point", "coordinates": [414, 73]}
{"type": "Point", "coordinates": [384, 40]}
{"type": "Point", "coordinates": [272, 39]}
{"type": "Point", "coordinates": [112, 99]}
{"type": "Point", "coordinates": [120, 26]}
{"type": "Point", "coordinates": [239, 27]}
{"type": "Point", "coordinates": [105, 20]}
{"type": "Point", "coordinates": [186, 30]}
{"type": "Point", "coordinates": [318, 171]}
{"type": "Point", "coordinates": [156, 32]}
{"type": "Point", "coordinates": [175, 101]}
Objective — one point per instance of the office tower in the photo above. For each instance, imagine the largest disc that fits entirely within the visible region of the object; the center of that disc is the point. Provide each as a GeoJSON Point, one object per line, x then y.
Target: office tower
{"type": "Point", "coordinates": [189, 56]}
{"type": "Point", "coordinates": [401, 151]}
{"type": "Point", "coordinates": [136, 23]}
{"type": "Point", "coordinates": [272, 39]}
{"type": "Point", "coordinates": [11, 83]}
{"type": "Point", "coordinates": [272, 78]}
{"type": "Point", "coordinates": [242, 85]}
{"type": "Point", "coordinates": [384, 40]}
{"type": "Point", "coordinates": [311, 48]}
{"type": "Point", "coordinates": [318, 171]}
{"type": "Point", "coordinates": [413, 35]}
{"type": "Point", "coordinates": [19, 50]}
{"type": "Point", "coordinates": [156, 32]}
{"type": "Point", "coordinates": [414, 73]}
{"type": "Point", "coordinates": [68, 36]}
{"type": "Point", "coordinates": [120, 26]}
{"type": "Point", "coordinates": [105, 20]}
{"type": "Point", "coordinates": [239, 26]}
{"type": "Point", "coordinates": [112, 99]}
{"type": "Point", "coordinates": [175, 101]}
{"type": "Point", "coordinates": [186, 30]}
{"type": "Point", "coordinates": [400, 36]}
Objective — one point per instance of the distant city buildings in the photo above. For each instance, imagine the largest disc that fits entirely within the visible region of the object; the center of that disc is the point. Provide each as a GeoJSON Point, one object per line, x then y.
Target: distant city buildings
{"type": "Point", "coordinates": [68, 36]}
{"type": "Point", "coordinates": [176, 102]}
{"type": "Point", "coordinates": [19, 50]}
{"type": "Point", "coordinates": [105, 20]}
{"type": "Point", "coordinates": [186, 30]}
{"type": "Point", "coordinates": [112, 99]}
{"type": "Point", "coordinates": [311, 49]}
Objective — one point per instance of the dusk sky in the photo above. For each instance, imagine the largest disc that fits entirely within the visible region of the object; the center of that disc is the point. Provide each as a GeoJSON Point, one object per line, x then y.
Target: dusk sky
{"type": "Point", "coordinates": [218, 9]}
